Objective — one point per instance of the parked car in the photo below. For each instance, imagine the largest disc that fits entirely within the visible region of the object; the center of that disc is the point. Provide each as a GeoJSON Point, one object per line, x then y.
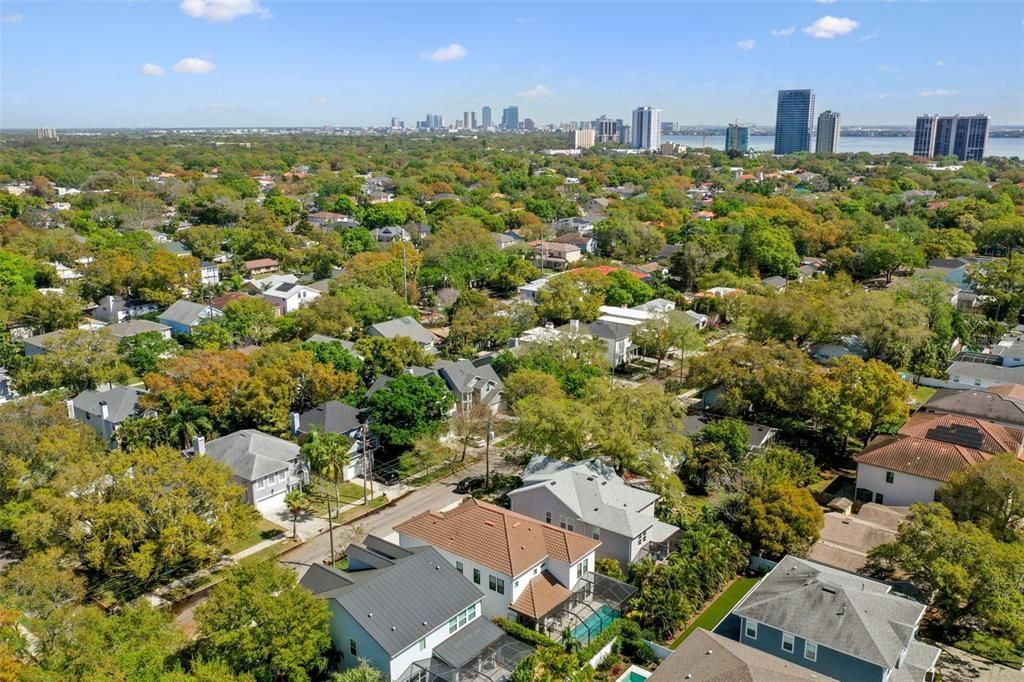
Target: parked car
{"type": "Point", "coordinates": [386, 476]}
{"type": "Point", "coordinates": [469, 484]}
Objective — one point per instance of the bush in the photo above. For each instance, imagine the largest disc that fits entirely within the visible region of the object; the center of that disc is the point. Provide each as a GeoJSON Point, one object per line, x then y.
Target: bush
{"type": "Point", "coordinates": [524, 634]}
{"type": "Point", "coordinates": [991, 647]}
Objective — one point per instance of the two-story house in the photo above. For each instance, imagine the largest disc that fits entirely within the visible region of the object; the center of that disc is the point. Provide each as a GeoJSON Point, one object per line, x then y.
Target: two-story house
{"type": "Point", "coordinates": [409, 614]}
{"type": "Point", "coordinates": [106, 409]}
{"type": "Point", "coordinates": [118, 309]}
{"type": "Point", "coordinates": [471, 385]}
{"type": "Point", "coordinates": [288, 298]}
{"type": "Point", "coordinates": [535, 573]}
{"type": "Point", "coordinates": [835, 623]}
{"type": "Point", "coordinates": [589, 498]}
{"type": "Point", "coordinates": [265, 466]}
{"type": "Point", "coordinates": [335, 416]}
{"type": "Point", "coordinates": [555, 255]}
{"type": "Point", "coordinates": [616, 336]}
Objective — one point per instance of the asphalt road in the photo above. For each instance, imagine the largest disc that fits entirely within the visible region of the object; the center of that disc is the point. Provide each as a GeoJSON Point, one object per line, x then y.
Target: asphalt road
{"type": "Point", "coordinates": [438, 494]}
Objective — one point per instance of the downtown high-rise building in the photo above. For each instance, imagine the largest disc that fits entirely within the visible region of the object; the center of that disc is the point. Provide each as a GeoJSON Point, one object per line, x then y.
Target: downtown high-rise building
{"type": "Point", "coordinates": [827, 141]}
{"type": "Point", "coordinates": [485, 117]}
{"type": "Point", "coordinates": [647, 128]}
{"type": "Point", "coordinates": [737, 138]}
{"type": "Point", "coordinates": [510, 118]}
{"type": "Point", "coordinates": [582, 138]}
{"type": "Point", "coordinates": [794, 118]}
{"type": "Point", "coordinates": [962, 136]}
{"type": "Point", "coordinates": [607, 129]}
{"type": "Point", "coordinates": [472, 120]}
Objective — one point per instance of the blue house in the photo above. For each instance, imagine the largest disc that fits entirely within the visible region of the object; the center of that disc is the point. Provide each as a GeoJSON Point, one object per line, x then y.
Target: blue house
{"type": "Point", "coordinates": [184, 316]}
{"type": "Point", "coordinates": [835, 623]}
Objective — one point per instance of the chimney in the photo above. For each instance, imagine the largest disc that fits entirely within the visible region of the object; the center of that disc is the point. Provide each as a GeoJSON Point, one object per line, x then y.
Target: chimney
{"type": "Point", "coordinates": [71, 408]}
{"type": "Point", "coordinates": [104, 410]}
{"type": "Point", "coordinates": [198, 445]}
{"type": "Point", "coordinates": [295, 423]}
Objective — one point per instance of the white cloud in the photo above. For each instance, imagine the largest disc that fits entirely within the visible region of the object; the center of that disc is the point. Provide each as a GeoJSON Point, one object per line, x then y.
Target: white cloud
{"type": "Point", "coordinates": [745, 44]}
{"type": "Point", "coordinates": [536, 92]}
{"type": "Point", "coordinates": [938, 93]}
{"type": "Point", "coordinates": [446, 54]}
{"type": "Point", "coordinates": [151, 70]}
{"type": "Point", "coordinates": [319, 99]}
{"type": "Point", "coordinates": [223, 10]}
{"type": "Point", "coordinates": [830, 27]}
{"type": "Point", "coordinates": [870, 36]}
{"type": "Point", "coordinates": [780, 32]}
{"type": "Point", "coordinates": [887, 68]}
{"type": "Point", "coordinates": [194, 65]}
{"type": "Point", "coordinates": [12, 19]}
{"type": "Point", "coordinates": [939, 62]}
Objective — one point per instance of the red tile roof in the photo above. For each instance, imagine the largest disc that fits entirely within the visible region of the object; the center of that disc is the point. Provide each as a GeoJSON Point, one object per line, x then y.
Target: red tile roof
{"type": "Point", "coordinates": [994, 437]}
{"type": "Point", "coordinates": [919, 457]}
{"type": "Point", "coordinates": [497, 538]}
{"type": "Point", "coordinates": [542, 594]}
{"type": "Point", "coordinates": [608, 269]}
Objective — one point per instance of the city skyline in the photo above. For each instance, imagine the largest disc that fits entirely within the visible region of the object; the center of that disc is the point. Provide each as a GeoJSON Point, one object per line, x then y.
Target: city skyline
{"type": "Point", "coordinates": [210, 63]}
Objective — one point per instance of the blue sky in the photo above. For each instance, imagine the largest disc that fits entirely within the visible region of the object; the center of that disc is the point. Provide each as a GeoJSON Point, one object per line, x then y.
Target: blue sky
{"type": "Point", "coordinates": [260, 62]}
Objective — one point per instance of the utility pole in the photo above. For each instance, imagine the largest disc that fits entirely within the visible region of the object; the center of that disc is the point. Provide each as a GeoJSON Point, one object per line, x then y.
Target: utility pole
{"type": "Point", "coordinates": [330, 527]}
{"type": "Point", "coordinates": [367, 465]}
{"type": "Point", "coordinates": [487, 455]}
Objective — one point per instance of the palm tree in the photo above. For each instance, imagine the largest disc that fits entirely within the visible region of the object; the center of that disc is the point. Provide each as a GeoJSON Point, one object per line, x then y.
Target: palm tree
{"type": "Point", "coordinates": [328, 454]}
{"type": "Point", "coordinates": [297, 503]}
{"type": "Point", "coordinates": [184, 419]}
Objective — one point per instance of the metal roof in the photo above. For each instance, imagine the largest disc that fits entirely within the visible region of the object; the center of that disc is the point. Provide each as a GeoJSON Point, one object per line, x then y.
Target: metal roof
{"type": "Point", "coordinates": [466, 644]}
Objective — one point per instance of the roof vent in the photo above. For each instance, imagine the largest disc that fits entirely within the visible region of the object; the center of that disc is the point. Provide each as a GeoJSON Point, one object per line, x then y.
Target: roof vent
{"type": "Point", "coordinates": [709, 652]}
{"type": "Point", "coordinates": [392, 628]}
{"type": "Point", "coordinates": [424, 623]}
{"type": "Point", "coordinates": [517, 524]}
{"type": "Point", "coordinates": [487, 523]}
{"type": "Point", "coordinates": [370, 614]}
{"type": "Point", "coordinates": [825, 588]}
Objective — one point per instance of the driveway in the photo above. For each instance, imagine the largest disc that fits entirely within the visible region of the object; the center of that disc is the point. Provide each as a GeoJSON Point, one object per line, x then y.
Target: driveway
{"type": "Point", "coordinates": [960, 666]}
{"type": "Point", "coordinates": [275, 511]}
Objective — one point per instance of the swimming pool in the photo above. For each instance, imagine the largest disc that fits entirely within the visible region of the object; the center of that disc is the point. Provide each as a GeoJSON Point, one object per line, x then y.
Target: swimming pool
{"type": "Point", "coordinates": [595, 624]}
{"type": "Point", "coordinates": [634, 674]}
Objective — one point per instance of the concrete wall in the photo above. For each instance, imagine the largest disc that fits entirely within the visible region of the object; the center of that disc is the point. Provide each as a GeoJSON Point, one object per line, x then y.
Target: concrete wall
{"type": "Point", "coordinates": [829, 662]}
{"type": "Point", "coordinates": [905, 489]}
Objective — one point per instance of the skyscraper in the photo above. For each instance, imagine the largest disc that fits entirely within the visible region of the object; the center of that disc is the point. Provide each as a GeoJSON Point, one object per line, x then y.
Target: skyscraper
{"type": "Point", "coordinates": [737, 138]}
{"type": "Point", "coordinates": [962, 136]}
{"type": "Point", "coordinates": [582, 138]}
{"type": "Point", "coordinates": [485, 117]}
{"type": "Point", "coordinates": [924, 135]}
{"type": "Point", "coordinates": [606, 129]}
{"type": "Point", "coordinates": [794, 117]}
{"type": "Point", "coordinates": [510, 118]}
{"type": "Point", "coordinates": [647, 128]}
{"type": "Point", "coordinates": [828, 133]}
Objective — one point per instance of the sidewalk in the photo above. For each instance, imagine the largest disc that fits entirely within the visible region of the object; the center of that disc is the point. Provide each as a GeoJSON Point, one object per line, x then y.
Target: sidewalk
{"type": "Point", "coordinates": [258, 547]}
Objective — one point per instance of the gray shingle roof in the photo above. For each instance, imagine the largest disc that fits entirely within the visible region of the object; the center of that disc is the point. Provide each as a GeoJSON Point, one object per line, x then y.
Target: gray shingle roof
{"type": "Point", "coordinates": [401, 326]}
{"type": "Point", "coordinates": [595, 493]}
{"type": "Point", "coordinates": [252, 454]}
{"type": "Point", "coordinates": [977, 404]}
{"type": "Point", "coordinates": [463, 376]}
{"type": "Point", "coordinates": [1006, 375]}
{"type": "Point", "coordinates": [707, 657]}
{"type": "Point", "coordinates": [839, 610]}
{"type": "Point", "coordinates": [123, 330]}
{"type": "Point", "coordinates": [185, 312]}
{"type": "Point", "coordinates": [331, 417]}
{"type": "Point", "coordinates": [393, 603]}
{"type": "Point", "coordinates": [122, 402]}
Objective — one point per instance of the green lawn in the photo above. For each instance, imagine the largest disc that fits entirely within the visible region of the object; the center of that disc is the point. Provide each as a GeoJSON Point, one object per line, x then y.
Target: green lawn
{"type": "Point", "coordinates": [716, 610]}
{"type": "Point", "coordinates": [266, 553]}
{"type": "Point", "coordinates": [263, 530]}
{"type": "Point", "coordinates": [921, 394]}
{"type": "Point", "coordinates": [350, 493]}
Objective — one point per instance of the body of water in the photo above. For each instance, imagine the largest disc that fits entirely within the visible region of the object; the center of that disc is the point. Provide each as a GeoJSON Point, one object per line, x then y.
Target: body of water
{"type": "Point", "coordinates": [997, 146]}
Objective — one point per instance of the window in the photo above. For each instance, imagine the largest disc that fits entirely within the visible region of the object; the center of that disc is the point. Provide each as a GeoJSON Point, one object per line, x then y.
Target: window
{"type": "Point", "coordinates": [259, 484]}
{"type": "Point", "coordinates": [878, 498]}
{"type": "Point", "coordinates": [788, 642]}
{"type": "Point", "coordinates": [496, 584]}
{"type": "Point", "coordinates": [565, 522]}
{"type": "Point", "coordinates": [596, 533]}
{"type": "Point", "coordinates": [422, 644]}
{"type": "Point", "coordinates": [750, 629]}
{"type": "Point", "coordinates": [890, 476]}
{"type": "Point", "coordinates": [453, 625]}
{"type": "Point", "coordinates": [581, 568]}
{"type": "Point", "coordinates": [458, 566]}
{"type": "Point", "coordinates": [476, 576]}
{"type": "Point", "coordinates": [643, 538]}
{"type": "Point", "coordinates": [547, 517]}
{"type": "Point", "coordinates": [810, 651]}
{"type": "Point", "coordinates": [352, 648]}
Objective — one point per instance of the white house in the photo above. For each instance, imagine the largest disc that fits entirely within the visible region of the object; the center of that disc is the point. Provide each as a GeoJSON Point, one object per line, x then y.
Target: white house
{"type": "Point", "coordinates": [290, 297]}
{"type": "Point", "coordinates": [409, 614]}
